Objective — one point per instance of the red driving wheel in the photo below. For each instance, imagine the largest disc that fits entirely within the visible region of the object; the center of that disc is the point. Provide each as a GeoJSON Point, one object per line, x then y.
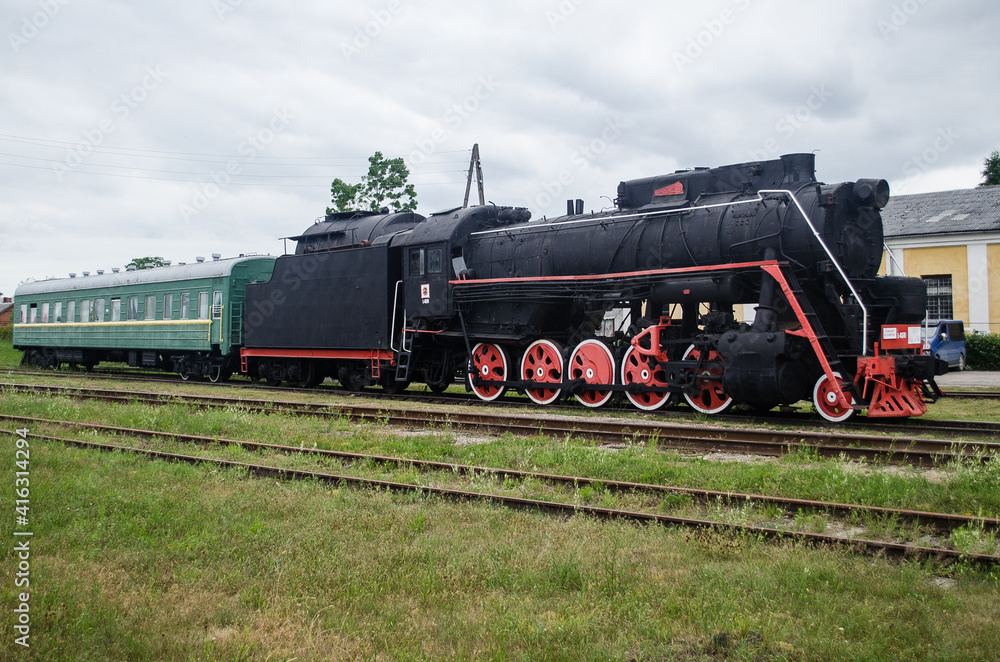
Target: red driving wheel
{"type": "Point", "coordinates": [543, 363]}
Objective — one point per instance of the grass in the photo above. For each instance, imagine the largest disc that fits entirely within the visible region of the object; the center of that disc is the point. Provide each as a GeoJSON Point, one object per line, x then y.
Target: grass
{"type": "Point", "coordinates": [144, 560]}
{"type": "Point", "coordinates": [9, 357]}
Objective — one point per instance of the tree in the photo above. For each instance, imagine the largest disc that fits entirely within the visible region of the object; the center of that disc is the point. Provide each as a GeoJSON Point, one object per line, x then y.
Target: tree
{"type": "Point", "coordinates": [991, 169]}
{"type": "Point", "coordinates": [384, 186]}
{"type": "Point", "coordinates": [140, 262]}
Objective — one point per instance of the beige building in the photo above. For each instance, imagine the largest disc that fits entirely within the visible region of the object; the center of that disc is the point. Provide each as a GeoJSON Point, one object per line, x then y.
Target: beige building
{"type": "Point", "coordinates": [950, 239]}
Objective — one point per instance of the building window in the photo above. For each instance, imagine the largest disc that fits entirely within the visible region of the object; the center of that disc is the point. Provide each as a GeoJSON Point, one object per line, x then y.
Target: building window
{"type": "Point", "coordinates": [185, 305]}
{"type": "Point", "coordinates": [58, 313]}
{"type": "Point", "coordinates": [151, 307]}
{"type": "Point", "coordinates": [86, 312]}
{"type": "Point", "coordinates": [168, 306]}
{"type": "Point", "coordinates": [71, 312]}
{"type": "Point", "coordinates": [939, 303]}
{"type": "Point", "coordinates": [203, 305]}
{"type": "Point", "coordinates": [98, 310]}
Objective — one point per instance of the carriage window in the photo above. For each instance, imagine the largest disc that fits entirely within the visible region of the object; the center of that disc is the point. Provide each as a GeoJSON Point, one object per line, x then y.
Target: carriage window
{"type": "Point", "coordinates": [168, 306]}
{"type": "Point", "coordinates": [133, 309]}
{"type": "Point", "coordinates": [416, 262]}
{"type": "Point", "coordinates": [216, 305]}
{"type": "Point", "coordinates": [116, 310]}
{"type": "Point", "coordinates": [86, 312]}
{"type": "Point", "coordinates": [45, 313]}
{"type": "Point", "coordinates": [71, 311]}
{"type": "Point", "coordinates": [151, 307]}
{"type": "Point", "coordinates": [24, 313]}
{"type": "Point", "coordinates": [185, 305]}
{"type": "Point", "coordinates": [98, 310]}
{"type": "Point", "coordinates": [434, 261]}
{"type": "Point", "coordinates": [58, 313]}
{"type": "Point", "coordinates": [203, 305]}
{"type": "Point", "coordinates": [33, 314]}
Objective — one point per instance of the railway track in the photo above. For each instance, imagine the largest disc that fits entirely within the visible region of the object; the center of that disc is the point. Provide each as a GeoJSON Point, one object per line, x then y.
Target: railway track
{"type": "Point", "coordinates": [783, 417]}
{"type": "Point", "coordinates": [939, 521]}
{"type": "Point", "coordinates": [829, 442]}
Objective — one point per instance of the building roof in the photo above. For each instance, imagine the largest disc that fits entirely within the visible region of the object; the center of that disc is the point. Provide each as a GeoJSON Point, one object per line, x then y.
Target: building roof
{"type": "Point", "coordinates": [4, 307]}
{"type": "Point", "coordinates": [971, 210]}
{"type": "Point", "coordinates": [213, 269]}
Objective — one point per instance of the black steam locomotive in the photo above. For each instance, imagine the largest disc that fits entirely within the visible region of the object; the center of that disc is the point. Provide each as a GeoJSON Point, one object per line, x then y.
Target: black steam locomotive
{"type": "Point", "coordinates": [644, 300]}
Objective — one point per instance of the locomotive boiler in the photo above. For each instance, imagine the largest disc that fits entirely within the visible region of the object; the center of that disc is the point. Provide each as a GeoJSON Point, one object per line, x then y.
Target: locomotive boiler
{"type": "Point", "coordinates": [750, 283]}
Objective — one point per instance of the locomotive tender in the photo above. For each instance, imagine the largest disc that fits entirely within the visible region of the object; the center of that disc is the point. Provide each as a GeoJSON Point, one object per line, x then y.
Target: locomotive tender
{"type": "Point", "coordinates": [507, 302]}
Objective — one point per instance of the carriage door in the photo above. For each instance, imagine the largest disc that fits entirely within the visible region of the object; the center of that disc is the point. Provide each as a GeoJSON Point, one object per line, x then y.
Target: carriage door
{"type": "Point", "coordinates": [427, 272]}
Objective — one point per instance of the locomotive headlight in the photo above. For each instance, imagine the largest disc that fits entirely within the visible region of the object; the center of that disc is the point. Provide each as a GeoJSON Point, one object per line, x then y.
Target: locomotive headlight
{"type": "Point", "coordinates": [871, 193]}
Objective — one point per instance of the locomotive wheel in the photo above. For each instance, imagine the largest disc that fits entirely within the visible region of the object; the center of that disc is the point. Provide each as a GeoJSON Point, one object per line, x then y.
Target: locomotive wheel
{"type": "Point", "coordinates": [710, 398]}
{"type": "Point", "coordinates": [825, 401]}
{"type": "Point", "coordinates": [636, 369]}
{"type": "Point", "coordinates": [543, 363]}
{"type": "Point", "coordinates": [592, 361]}
{"type": "Point", "coordinates": [490, 362]}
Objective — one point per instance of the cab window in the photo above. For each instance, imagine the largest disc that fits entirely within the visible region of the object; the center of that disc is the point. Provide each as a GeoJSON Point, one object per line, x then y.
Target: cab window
{"type": "Point", "coordinates": [434, 261]}
{"type": "Point", "coordinates": [416, 262]}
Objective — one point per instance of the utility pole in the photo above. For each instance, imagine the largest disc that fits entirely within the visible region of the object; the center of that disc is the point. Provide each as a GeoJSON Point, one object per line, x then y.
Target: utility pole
{"type": "Point", "coordinates": [475, 166]}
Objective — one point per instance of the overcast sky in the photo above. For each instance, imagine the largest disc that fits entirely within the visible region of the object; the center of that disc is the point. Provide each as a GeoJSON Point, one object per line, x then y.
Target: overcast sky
{"type": "Point", "coordinates": [186, 129]}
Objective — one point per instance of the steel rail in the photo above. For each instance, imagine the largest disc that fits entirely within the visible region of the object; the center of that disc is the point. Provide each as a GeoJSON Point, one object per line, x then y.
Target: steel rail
{"type": "Point", "coordinates": [258, 470]}
{"type": "Point", "coordinates": [665, 434]}
{"type": "Point", "coordinates": [942, 522]}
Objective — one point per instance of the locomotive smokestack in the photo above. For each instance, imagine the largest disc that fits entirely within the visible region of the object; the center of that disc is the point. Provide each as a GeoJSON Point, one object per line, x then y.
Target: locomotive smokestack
{"type": "Point", "coordinates": [799, 167]}
{"type": "Point", "coordinates": [569, 207]}
{"type": "Point", "coordinates": [871, 193]}
{"type": "Point", "coordinates": [579, 206]}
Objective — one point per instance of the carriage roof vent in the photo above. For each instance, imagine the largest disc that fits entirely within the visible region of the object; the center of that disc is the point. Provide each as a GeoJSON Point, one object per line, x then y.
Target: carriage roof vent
{"type": "Point", "coordinates": [72, 275]}
{"type": "Point", "coordinates": [199, 259]}
{"type": "Point", "coordinates": [86, 273]}
{"type": "Point", "coordinates": [216, 257]}
{"type": "Point", "coordinates": [166, 263]}
{"type": "Point", "coordinates": [115, 270]}
{"type": "Point", "coordinates": [100, 272]}
{"type": "Point", "coordinates": [130, 267]}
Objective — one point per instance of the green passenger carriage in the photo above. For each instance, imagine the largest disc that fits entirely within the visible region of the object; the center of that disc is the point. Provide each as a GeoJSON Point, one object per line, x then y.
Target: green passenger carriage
{"type": "Point", "coordinates": [185, 318]}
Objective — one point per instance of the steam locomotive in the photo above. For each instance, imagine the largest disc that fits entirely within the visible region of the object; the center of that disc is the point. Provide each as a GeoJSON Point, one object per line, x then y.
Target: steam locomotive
{"type": "Point", "coordinates": [502, 301]}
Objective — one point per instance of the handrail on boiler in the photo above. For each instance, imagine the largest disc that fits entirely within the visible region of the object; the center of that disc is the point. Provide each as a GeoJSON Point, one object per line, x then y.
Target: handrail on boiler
{"type": "Point", "coordinates": [840, 270]}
